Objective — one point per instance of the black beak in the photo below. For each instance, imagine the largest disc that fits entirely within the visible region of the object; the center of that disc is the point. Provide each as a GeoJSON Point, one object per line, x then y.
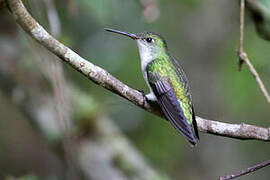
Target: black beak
{"type": "Point", "coordinates": [132, 36]}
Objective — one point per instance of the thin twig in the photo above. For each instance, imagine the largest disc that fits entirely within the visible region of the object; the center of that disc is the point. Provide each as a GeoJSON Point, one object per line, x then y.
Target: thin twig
{"type": "Point", "coordinates": [242, 24]}
{"type": "Point", "coordinates": [241, 43]}
{"type": "Point", "coordinates": [246, 171]}
{"type": "Point", "coordinates": [243, 55]}
{"type": "Point", "coordinates": [242, 28]}
{"type": "Point", "coordinates": [106, 80]}
{"type": "Point", "coordinates": [244, 58]}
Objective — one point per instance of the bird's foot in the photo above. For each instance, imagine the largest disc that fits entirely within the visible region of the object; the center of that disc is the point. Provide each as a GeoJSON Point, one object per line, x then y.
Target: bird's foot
{"type": "Point", "coordinates": [144, 96]}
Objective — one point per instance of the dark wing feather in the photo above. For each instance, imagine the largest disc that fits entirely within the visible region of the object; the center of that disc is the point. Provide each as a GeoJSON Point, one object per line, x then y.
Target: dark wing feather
{"type": "Point", "coordinates": [194, 122]}
{"type": "Point", "coordinates": [170, 106]}
{"type": "Point", "coordinates": [180, 72]}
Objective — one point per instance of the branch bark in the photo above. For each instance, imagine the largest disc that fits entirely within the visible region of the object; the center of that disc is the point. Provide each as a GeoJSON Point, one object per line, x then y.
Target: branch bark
{"type": "Point", "coordinates": [106, 80]}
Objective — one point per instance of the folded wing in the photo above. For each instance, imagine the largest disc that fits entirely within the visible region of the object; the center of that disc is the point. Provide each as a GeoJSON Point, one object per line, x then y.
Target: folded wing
{"type": "Point", "coordinates": [170, 106]}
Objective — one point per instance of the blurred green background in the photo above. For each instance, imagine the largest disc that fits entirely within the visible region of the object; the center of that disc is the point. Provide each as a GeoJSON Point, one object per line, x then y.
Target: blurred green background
{"type": "Point", "coordinates": [202, 35]}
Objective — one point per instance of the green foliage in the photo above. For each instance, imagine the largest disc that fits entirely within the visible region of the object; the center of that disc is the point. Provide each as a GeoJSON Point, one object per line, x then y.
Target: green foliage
{"type": "Point", "coordinates": [100, 9]}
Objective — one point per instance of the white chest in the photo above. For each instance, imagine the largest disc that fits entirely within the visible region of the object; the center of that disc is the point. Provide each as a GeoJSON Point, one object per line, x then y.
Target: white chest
{"type": "Point", "coordinates": [146, 58]}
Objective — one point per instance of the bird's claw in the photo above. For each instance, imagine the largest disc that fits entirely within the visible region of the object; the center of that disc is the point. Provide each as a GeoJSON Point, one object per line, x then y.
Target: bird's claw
{"type": "Point", "coordinates": [144, 96]}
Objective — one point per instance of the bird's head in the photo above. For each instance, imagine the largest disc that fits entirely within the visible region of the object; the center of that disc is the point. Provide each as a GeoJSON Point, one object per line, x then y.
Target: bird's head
{"type": "Point", "coordinates": [150, 44]}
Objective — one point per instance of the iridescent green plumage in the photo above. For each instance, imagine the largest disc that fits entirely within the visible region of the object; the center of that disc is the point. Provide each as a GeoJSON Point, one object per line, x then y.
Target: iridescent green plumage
{"type": "Point", "coordinates": [166, 66]}
{"type": "Point", "coordinates": [179, 83]}
{"type": "Point", "coordinates": [167, 82]}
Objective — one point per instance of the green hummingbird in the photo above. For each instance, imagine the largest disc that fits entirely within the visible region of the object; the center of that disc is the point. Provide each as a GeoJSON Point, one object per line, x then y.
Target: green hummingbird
{"type": "Point", "coordinates": [167, 82]}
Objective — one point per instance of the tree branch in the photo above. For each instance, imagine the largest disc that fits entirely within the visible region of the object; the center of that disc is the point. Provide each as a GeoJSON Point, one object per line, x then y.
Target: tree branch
{"type": "Point", "coordinates": [246, 171]}
{"type": "Point", "coordinates": [106, 80]}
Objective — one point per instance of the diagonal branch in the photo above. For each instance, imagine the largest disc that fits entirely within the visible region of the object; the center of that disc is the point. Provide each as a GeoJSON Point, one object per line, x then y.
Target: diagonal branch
{"type": "Point", "coordinates": [106, 80]}
{"type": "Point", "coordinates": [246, 171]}
{"type": "Point", "coordinates": [244, 58]}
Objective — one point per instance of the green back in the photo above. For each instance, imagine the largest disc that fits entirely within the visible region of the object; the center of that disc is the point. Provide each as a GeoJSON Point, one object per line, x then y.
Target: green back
{"type": "Point", "coordinates": [165, 66]}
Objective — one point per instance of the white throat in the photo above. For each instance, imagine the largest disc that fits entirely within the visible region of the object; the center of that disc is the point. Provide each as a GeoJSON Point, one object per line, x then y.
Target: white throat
{"type": "Point", "coordinates": [146, 57]}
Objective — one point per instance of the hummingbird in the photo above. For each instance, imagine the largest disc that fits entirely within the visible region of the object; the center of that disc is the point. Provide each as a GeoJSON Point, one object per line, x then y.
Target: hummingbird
{"type": "Point", "coordinates": [167, 82]}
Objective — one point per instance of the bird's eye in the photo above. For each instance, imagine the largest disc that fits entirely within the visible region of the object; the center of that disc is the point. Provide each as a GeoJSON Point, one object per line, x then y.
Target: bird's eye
{"type": "Point", "coordinates": [148, 39]}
